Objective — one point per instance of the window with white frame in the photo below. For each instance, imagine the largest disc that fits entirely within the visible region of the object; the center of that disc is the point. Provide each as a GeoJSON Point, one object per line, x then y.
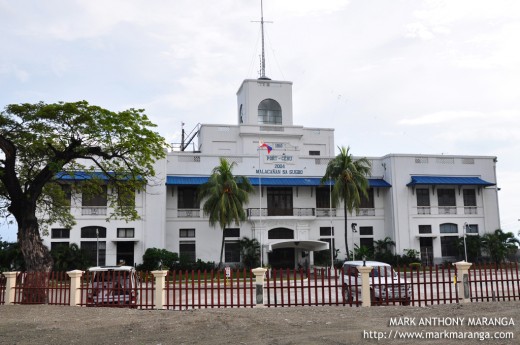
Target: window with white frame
{"type": "Point", "coordinates": [125, 232]}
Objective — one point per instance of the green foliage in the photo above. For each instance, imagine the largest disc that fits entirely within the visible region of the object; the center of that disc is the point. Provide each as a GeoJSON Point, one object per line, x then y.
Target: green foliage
{"type": "Point", "coordinates": [11, 258]}
{"type": "Point", "coordinates": [250, 252]}
{"type": "Point", "coordinates": [43, 145]}
{"type": "Point", "coordinates": [350, 177]}
{"type": "Point", "coordinates": [473, 248]}
{"type": "Point", "coordinates": [363, 253]}
{"type": "Point", "coordinates": [155, 259]}
{"type": "Point", "coordinates": [67, 258]}
{"type": "Point", "coordinates": [224, 197]}
{"type": "Point", "coordinates": [199, 265]}
{"type": "Point", "coordinates": [500, 245]}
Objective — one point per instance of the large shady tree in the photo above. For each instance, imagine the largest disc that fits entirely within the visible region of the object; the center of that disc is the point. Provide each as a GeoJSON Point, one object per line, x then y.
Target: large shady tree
{"type": "Point", "coordinates": [500, 245]}
{"type": "Point", "coordinates": [350, 178]}
{"type": "Point", "coordinates": [224, 197]}
{"type": "Point", "coordinates": [44, 145]}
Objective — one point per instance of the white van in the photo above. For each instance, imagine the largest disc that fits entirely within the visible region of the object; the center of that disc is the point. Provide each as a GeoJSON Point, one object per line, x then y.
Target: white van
{"type": "Point", "coordinates": [385, 284]}
{"type": "Point", "coordinates": [112, 285]}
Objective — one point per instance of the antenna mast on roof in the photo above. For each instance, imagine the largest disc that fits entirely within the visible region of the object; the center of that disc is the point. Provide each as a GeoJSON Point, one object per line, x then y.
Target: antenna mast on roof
{"type": "Point", "coordinates": [262, 61]}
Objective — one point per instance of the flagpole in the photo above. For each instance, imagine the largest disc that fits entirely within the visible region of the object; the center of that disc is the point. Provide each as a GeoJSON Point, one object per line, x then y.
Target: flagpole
{"type": "Point", "coordinates": [260, 205]}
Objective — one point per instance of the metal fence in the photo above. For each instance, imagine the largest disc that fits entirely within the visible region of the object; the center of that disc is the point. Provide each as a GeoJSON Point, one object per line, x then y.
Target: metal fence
{"type": "Point", "coordinates": [2, 288]}
{"type": "Point", "coordinates": [282, 288]}
{"type": "Point", "coordinates": [209, 289]}
{"type": "Point", "coordinates": [42, 288]}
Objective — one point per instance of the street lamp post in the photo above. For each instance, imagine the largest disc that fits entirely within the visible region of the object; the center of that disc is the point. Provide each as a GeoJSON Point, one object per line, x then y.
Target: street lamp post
{"type": "Point", "coordinates": [354, 230]}
{"type": "Point", "coordinates": [465, 248]}
{"type": "Point", "coordinates": [97, 247]}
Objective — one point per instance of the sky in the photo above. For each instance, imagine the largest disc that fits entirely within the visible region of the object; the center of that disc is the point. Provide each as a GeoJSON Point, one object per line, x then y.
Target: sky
{"type": "Point", "coordinates": [390, 76]}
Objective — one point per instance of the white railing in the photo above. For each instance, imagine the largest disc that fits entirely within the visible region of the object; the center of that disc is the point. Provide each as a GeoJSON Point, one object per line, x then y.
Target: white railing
{"type": "Point", "coordinates": [366, 212]}
{"type": "Point", "coordinates": [94, 211]}
{"type": "Point", "coordinates": [447, 209]}
{"type": "Point", "coordinates": [470, 210]}
{"type": "Point", "coordinates": [424, 210]}
{"type": "Point", "coordinates": [188, 213]}
{"type": "Point", "coordinates": [325, 212]}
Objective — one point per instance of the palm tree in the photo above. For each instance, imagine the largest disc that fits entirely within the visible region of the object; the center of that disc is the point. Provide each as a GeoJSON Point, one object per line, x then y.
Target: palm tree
{"type": "Point", "coordinates": [225, 196]}
{"type": "Point", "coordinates": [350, 182]}
{"type": "Point", "coordinates": [250, 250]}
{"type": "Point", "coordinates": [383, 246]}
{"type": "Point", "coordinates": [499, 245]}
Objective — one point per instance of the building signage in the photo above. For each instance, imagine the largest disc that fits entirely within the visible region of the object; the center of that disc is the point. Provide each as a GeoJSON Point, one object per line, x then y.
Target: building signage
{"type": "Point", "coordinates": [279, 165]}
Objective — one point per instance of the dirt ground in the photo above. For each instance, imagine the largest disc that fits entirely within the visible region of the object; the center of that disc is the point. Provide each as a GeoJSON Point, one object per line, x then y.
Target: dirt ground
{"type": "Point", "coordinates": [44, 324]}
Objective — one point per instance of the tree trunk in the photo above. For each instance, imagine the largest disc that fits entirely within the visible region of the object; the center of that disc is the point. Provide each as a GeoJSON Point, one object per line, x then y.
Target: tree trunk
{"type": "Point", "coordinates": [346, 231]}
{"type": "Point", "coordinates": [38, 262]}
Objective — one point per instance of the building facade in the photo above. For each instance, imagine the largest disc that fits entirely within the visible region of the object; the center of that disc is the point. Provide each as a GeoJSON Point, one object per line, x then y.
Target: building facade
{"type": "Point", "coordinates": [422, 202]}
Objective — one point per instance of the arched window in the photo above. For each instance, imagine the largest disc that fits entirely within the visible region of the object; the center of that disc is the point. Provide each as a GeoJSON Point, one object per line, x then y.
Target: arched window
{"type": "Point", "coordinates": [269, 112]}
{"type": "Point", "coordinates": [281, 234]}
{"type": "Point", "coordinates": [448, 228]}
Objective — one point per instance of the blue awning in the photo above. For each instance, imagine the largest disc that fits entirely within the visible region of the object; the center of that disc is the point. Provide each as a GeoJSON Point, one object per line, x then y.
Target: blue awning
{"type": "Point", "coordinates": [83, 175]}
{"type": "Point", "coordinates": [269, 181]}
{"type": "Point", "coordinates": [449, 180]}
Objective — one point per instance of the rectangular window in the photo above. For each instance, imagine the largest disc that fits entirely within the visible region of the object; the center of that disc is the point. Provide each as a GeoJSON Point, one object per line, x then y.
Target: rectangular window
{"type": "Point", "coordinates": [470, 199]}
{"type": "Point", "coordinates": [449, 228]}
{"type": "Point", "coordinates": [323, 197]}
{"type": "Point", "coordinates": [187, 251]}
{"type": "Point", "coordinates": [423, 196]}
{"type": "Point", "coordinates": [425, 229]}
{"type": "Point", "coordinates": [183, 233]}
{"type": "Point", "coordinates": [366, 230]}
{"type": "Point", "coordinates": [58, 245]}
{"type": "Point", "coordinates": [67, 191]}
{"type": "Point", "coordinates": [366, 242]}
{"type": "Point", "coordinates": [93, 200]}
{"type": "Point", "coordinates": [126, 197]}
{"type": "Point", "coordinates": [446, 197]}
{"type": "Point", "coordinates": [60, 233]}
{"type": "Point", "coordinates": [232, 232]}
{"type": "Point", "coordinates": [187, 197]}
{"type": "Point", "coordinates": [314, 153]}
{"type": "Point", "coordinates": [367, 201]}
{"type": "Point", "coordinates": [326, 231]}
{"type": "Point", "coordinates": [90, 232]}
{"type": "Point", "coordinates": [449, 245]}
{"type": "Point", "coordinates": [280, 201]}
{"type": "Point", "coordinates": [125, 232]}
{"type": "Point", "coordinates": [92, 249]}
{"type": "Point", "coordinates": [472, 229]}
{"type": "Point", "coordinates": [232, 252]}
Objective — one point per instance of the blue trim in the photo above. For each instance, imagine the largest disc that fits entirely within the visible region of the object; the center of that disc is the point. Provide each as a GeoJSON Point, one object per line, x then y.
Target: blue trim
{"type": "Point", "coordinates": [269, 181]}
{"type": "Point", "coordinates": [83, 175]}
{"type": "Point", "coordinates": [449, 180]}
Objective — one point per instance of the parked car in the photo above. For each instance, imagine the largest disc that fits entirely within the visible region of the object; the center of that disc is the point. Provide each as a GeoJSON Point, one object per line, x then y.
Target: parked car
{"type": "Point", "coordinates": [385, 284]}
{"type": "Point", "coordinates": [112, 286]}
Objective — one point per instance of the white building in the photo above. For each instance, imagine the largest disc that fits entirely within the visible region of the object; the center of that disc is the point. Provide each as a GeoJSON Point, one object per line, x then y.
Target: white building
{"type": "Point", "coordinates": [422, 202]}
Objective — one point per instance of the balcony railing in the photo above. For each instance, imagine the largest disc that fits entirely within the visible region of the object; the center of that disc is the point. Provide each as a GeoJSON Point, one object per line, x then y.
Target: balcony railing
{"type": "Point", "coordinates": [188, 213]}
{"type": "Point", "coordinates": [366, 212]}
{"type": "Point", "coordinates": [447, 209]}
{"type": "Point", "coordinates": [94, 211]}
{"type": "Point", "coordinates": [470, 210]}
{"type": "Point", "coordinates": [270, 212]}
{"type": "Point", "coordinates": [424, 210]}
{"type": "Point", "coordinates": [325, 212]}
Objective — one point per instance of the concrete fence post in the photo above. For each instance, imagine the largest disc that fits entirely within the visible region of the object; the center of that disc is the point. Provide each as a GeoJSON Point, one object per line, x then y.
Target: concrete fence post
{"type": "Point", "coordinates": [463, 280]}
{"type": "Point", "coordinates": [10, 285]}
{"type": "Point", "coordinates": [259, 283]}
{"type": "Point", "coordinates": [365, 285]}
{"type": "Point", "coordinates": [160, 293]}
{"type": "Point", "coordinates": [75, 287]}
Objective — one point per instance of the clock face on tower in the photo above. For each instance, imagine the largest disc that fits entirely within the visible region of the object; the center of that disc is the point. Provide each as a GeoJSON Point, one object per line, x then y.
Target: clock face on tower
{"type": "Point", "coordinates": [241, 113]}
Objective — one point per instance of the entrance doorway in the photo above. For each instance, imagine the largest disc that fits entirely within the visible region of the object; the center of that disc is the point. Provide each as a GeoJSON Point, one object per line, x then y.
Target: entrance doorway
{"type": "Point", "coordinates": [282, 258]}
{"type": "Point", "coordinates": [125, 253]}
{"type": "Point", "coordinates": [426, 244]}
